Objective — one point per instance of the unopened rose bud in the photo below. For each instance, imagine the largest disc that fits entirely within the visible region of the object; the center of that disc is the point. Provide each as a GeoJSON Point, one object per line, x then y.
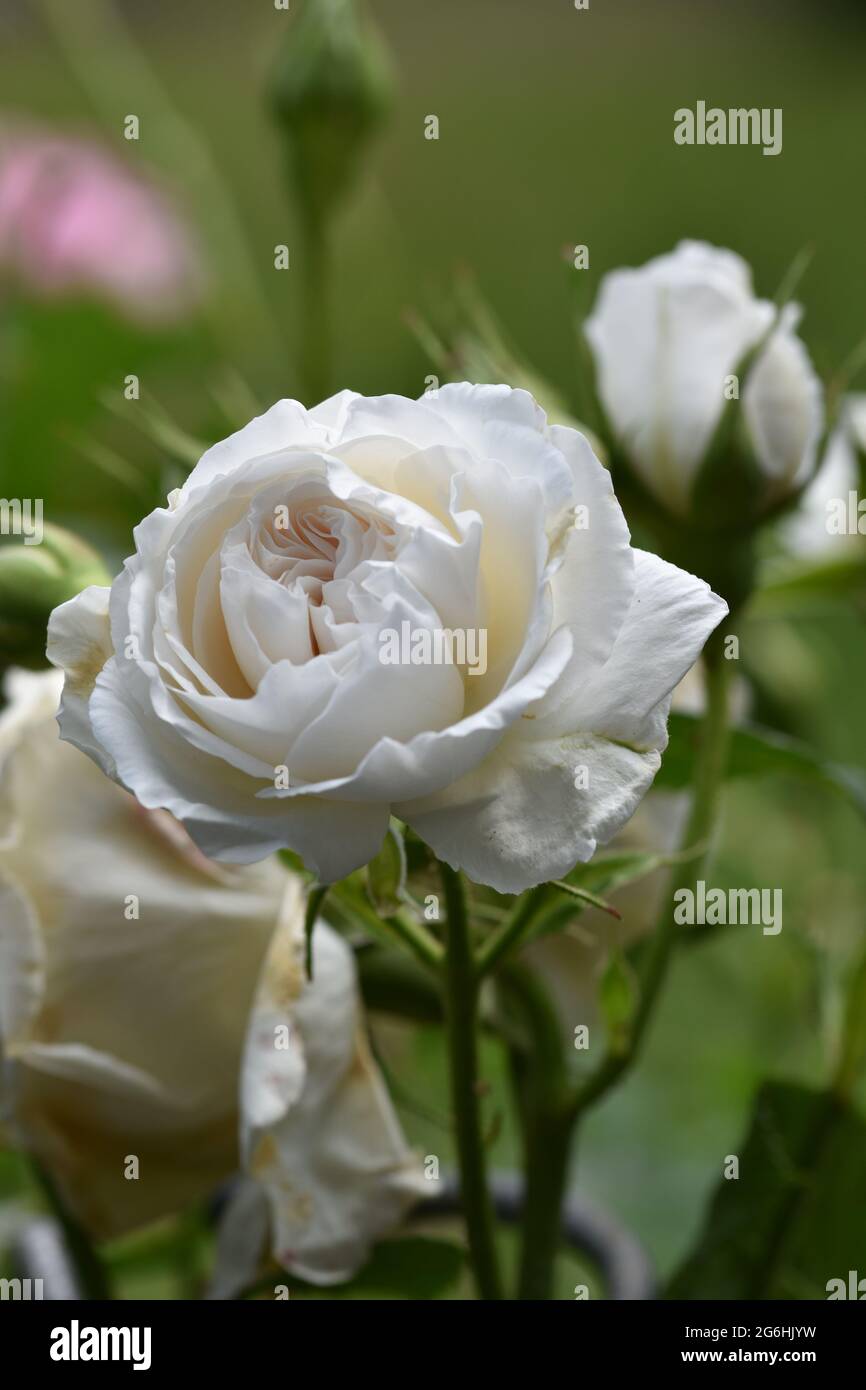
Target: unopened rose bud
{"type": "Point", "coordinates": [330, 90]}
{"type": "Point", "coordinates": [710, 397]}
{"type": "Point", "coordinates": [34, 580]}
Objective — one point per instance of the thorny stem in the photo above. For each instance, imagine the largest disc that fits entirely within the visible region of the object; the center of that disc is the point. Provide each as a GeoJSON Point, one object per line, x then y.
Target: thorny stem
{"type": "Point", "coordinates": [316, 355]}
{"type": "Point", "coordinates": [460, 987]}
{"type": "Point", "coordinates": [501, 942]}
{"type": "Point", "coordinates": [413, 934]}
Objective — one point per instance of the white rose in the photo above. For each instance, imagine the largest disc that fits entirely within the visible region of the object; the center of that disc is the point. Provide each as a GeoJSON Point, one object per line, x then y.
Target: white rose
{"type": "Point", "coordinates": [666, 336]}
{"type": "Point", "coordinates": [247, 636]}
{"type": "Point", "coordinates": [156, 1037]}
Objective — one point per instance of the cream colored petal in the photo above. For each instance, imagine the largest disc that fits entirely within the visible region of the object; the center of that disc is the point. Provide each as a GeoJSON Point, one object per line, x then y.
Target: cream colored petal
{"type": "Point", "coordinates": [79, 643]}
{"type": "Point", "coordinates": [242, 1241]}
{"type": "Point", "coordinates": [22, 963]}
{"type": "Point", "coordinates": [123, 1031]}
{"type": "Point", "coordinates": [784, 406]}
{"type": "Point", "coordinates": [334, 1164]}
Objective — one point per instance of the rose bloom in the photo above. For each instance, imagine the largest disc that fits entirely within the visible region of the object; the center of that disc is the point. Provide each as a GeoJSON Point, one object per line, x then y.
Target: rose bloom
{"type": "Point", "coordinates": [666, 336]}
{"type": "Point", "coordinates": [233, 673]}
{"type": "Point", "coordinates": [187, 1037]}
{"type": "Point", "coordinates": [73, 217]}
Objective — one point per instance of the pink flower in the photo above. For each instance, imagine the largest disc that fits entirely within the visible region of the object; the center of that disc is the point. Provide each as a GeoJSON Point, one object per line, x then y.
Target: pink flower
{"type": "Point", "coordinates": [73, 217]}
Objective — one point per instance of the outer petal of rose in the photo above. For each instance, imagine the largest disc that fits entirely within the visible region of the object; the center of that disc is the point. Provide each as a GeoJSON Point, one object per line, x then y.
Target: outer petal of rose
{"type": "Point", "coordinates": [329, 1154]}
{"type": "Point", "coordinates": [510, 426]}
{"type": "Point", "coordinates": [495, 421]}
{"type": "Point", "coordinates": [593, 587]}
{"type": "Point", "coordinates": [628, 699]}
{"type": "Point", "coordinates": [285, 423]}
{"type": "Point", "coordinates": [333, 837]}
{"type": "Point", "coordinates": [664, 336]}
{"type": "Point", "coordinates": [518, 819]}
{"type": "Point", "coordinates": [392, 416]}
{"type": "Point", "coordinates": [783, 403]}
{"type": "Point", "coordinates": [79, 643]}
{"type": "Point", "coordinates": [165, 771]}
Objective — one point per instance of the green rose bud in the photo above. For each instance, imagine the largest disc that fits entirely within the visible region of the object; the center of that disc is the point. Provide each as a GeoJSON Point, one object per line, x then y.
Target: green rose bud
{"type": "Point", "coordinates": [34, 580]}
{"type": "Point", "coordinates": [329, 92]}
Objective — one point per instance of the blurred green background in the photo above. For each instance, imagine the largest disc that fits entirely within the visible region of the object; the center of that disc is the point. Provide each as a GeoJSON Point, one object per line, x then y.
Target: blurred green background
{"type": "Point", "coordinates": [556, 128]}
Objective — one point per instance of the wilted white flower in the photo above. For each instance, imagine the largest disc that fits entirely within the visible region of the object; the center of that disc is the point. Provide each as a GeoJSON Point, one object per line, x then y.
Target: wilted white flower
{"type": "Point", "coordinates": [667, 338]}
{"type": "Point", "coordinates": [154, 1007]}
{"type": "Point", "coordinates": [234, 672]}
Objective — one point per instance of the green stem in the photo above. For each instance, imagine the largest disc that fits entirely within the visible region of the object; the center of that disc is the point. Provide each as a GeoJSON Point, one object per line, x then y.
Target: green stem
{"type": "Point", "coordinates": [461, 1016]}
{"type": "Point", "coordinates": [541, 1084]}
{"type": "Point", "coordinates": [91, 1272]}
{"type": "Point", "coordinates": [548, 1151]}
{"type": "Point", "coordinates": [655, 959]}
{"type": "Point", "coordinates": [829, 1113]}
{"type": "Point", "coordinates": [316, 345]}
{"type": "Point", "coordinates": [508, 935]}
{"type": "Point", "coordinates": [415, 937]}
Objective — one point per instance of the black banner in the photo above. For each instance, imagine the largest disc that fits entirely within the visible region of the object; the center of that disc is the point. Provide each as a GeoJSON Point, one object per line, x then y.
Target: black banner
{"type": "Point", "coordinates": [157, 1338]}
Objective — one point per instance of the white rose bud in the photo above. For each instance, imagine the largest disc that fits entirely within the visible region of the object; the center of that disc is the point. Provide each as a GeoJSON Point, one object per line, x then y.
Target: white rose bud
{"type": "Point", "coordinates": [286, 610]}
{"type": "Point", "coordinates": [184, 1034]}
{"type": "Point", "coordinates": [670, 341]}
